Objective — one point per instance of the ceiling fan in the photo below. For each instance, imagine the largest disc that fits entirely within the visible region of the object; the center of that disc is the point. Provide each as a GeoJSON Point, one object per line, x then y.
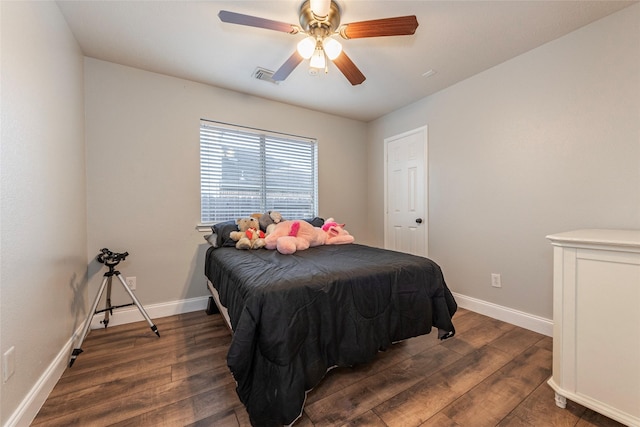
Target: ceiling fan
{"type": "Point", "coordinates": [320, 21]}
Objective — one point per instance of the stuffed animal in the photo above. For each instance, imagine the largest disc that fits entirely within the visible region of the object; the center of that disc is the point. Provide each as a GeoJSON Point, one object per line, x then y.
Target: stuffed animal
{"type": "Point", "coordinates": [269, 220]}
{"type": "Point", "coordinates": [335, 233]}
{"type": "Point", "coordinates": [291, 236]}
{"type": "Point", "coordinates": [249, 235]}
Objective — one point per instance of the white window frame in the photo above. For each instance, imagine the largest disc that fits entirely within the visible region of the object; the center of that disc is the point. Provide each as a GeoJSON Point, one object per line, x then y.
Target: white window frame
{"type": "Point", "coordinates": [223, 146]}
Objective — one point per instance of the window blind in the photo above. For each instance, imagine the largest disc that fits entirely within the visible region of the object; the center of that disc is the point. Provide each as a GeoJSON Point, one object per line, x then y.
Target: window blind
{"type": "Point", "coordinates": [244, 171]}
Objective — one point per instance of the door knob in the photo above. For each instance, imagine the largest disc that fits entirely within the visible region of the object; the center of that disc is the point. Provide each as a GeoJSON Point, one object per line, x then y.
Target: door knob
{"type": "Point", "coordinates": [419, 220]}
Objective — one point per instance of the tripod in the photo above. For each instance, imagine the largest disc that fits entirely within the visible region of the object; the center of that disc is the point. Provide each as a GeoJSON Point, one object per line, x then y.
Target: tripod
{"type": "Point", "coordinates": [111, 260]}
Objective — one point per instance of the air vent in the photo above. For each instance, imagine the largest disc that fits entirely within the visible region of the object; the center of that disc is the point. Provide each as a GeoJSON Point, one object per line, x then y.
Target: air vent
{"type": "Point", "coordinates": [264, 75]}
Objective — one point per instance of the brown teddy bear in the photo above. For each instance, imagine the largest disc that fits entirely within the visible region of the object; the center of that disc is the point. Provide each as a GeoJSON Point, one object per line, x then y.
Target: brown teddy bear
{"type": "Point", "coordinates": [249, 235]}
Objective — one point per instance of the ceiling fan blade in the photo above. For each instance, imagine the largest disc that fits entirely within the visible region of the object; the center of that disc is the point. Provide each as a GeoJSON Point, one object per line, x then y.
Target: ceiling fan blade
{"type": "Point", "coordinates": [349, 69]}
{"type": "Point", "coordinates": [254, 21]}
{"type": "Point", "coordinates": [399, 26]}
{"type": "Point", "coordinates": [285, 69]}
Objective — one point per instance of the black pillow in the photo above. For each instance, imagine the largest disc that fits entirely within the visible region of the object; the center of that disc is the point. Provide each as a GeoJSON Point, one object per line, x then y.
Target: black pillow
{"type": "Point", "coordinates": [316, 222]}
{"type": "Point", "coordinates": [222, 231]}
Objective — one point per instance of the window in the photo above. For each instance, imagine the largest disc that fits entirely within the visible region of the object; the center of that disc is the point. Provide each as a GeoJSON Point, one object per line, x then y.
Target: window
{"type": "Point", "coordinates": [244, 171]}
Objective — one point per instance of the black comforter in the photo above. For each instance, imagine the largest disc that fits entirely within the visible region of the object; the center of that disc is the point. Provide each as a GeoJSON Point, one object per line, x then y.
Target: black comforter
{"type": "Point", "coordinates": [295, 316]}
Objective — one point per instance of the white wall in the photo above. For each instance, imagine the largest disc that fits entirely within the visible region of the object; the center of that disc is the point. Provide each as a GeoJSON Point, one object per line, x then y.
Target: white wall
{"type": "Point", "coordinates": [543, 143]}
{"type": "Point", "coordinates": [143, 170]}
{"type": "Point", "coordinates": [43, 210]}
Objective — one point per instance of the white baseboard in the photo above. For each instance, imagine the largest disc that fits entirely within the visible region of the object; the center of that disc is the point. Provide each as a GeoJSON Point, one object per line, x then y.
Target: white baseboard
{"type": "Point", "coordinates": [506, 314]}
{"type": "Point", "coordinates": [31, 404]}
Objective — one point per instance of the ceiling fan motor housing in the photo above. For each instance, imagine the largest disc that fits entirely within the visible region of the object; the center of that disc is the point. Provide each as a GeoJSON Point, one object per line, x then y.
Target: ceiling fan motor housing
{"type": "Point", "coordinates": [319, 26]}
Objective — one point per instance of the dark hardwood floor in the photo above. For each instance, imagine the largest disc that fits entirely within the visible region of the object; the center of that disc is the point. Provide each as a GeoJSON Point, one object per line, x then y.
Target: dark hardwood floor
{"type": "Point", "coordinates": [490, 374]}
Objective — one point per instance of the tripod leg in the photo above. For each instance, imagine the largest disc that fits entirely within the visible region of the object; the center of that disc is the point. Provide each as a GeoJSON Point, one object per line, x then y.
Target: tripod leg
{"type": "Point", "coordinates": [87, 323]}
{"type": "Point", "coordinates": [135, 300]}
{"type": "Point", "coordinates": [108, 310]}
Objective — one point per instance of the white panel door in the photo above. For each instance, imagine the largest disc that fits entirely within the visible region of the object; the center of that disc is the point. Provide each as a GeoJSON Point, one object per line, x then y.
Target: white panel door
{"type": "Point", "coordinates": [406, 198]}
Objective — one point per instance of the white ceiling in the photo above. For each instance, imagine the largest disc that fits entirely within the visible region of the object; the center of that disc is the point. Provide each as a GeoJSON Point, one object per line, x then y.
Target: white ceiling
{"type": "Point", "coordinates": [457, 39]}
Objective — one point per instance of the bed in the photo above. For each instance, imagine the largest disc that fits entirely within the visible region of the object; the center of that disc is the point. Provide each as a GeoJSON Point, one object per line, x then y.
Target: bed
{"type": "Point", "coordinates": [294, 317]}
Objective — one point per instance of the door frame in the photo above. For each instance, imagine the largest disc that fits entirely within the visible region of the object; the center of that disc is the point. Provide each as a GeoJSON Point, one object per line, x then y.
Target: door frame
{"type": "Point", "coordinates": [425, 219]}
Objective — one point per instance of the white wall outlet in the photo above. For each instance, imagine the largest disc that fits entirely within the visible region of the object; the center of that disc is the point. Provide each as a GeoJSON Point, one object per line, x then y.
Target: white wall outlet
{"type": "Point", "coordinates": [495, 280]}
{"type": "Point", "coordinates": [131, 282]}
{"type": "Point", "coordinates": [8, 363]}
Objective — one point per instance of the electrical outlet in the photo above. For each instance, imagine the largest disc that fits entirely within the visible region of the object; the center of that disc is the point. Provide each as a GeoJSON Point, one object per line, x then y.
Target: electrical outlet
{"type": "Point", "coordinates": [8, 363]}
{"type": "Point", "coordinates": [495, 280]}
{"type": "Point", "coordinates": [131, 282]}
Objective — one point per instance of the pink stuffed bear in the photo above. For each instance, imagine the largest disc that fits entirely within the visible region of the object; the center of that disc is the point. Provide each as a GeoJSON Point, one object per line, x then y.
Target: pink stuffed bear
{"type": "Point", "coordinates": [291, 236]}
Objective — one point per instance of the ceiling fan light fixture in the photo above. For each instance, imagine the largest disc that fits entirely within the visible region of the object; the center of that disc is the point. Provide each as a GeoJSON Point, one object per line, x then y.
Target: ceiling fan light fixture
{"type": "Point", "coordinates": [332, 48]}
{"type": "Point", "coordinates": [317, 59]}
{"type": "Point", "coordinates": [306, 47]}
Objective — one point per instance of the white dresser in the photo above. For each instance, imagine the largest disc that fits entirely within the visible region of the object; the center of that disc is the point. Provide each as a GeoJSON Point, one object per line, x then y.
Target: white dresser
{"type": "Point", "coordinates": [596, 321]}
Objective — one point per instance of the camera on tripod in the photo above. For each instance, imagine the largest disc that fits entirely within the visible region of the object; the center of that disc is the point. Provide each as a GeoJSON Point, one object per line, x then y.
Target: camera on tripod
{"type": "Point", "coordinates": [110, 258]}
